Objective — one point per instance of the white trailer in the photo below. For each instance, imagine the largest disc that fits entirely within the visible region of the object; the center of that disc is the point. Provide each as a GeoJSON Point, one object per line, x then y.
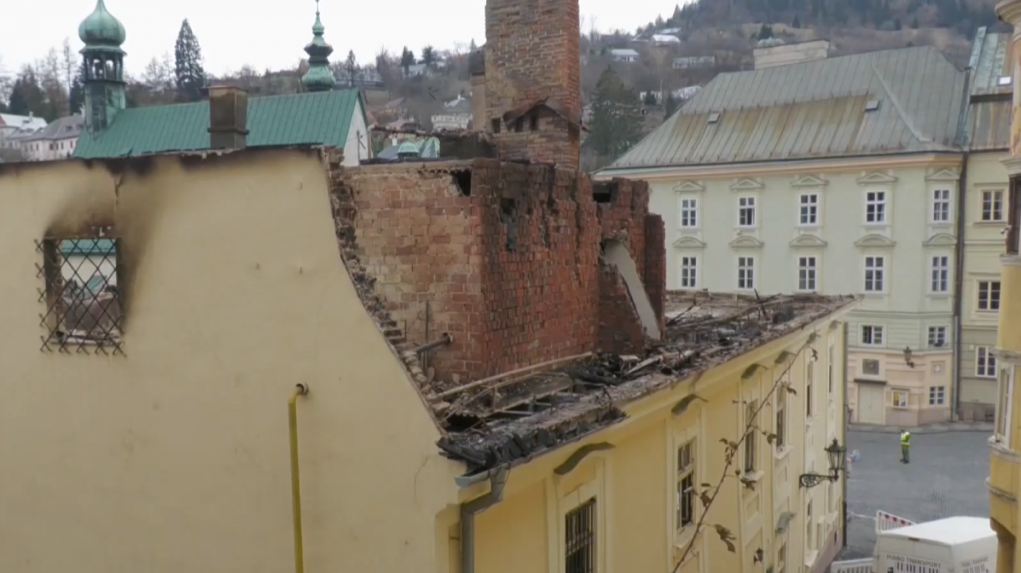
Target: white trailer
{"type": "Point", "coordinates": [951, 545]}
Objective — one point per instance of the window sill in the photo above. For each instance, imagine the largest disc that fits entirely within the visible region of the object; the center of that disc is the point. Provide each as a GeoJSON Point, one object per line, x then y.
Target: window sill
{"type": "Point", "coordinates": [753, 477]}
{"type": "Point", "coordinates": [810, 558]}
{"type": "Point", "coordinates": [941, 223]}
{"type": "Point", "coordinates": [940, 295]}
{"type": "Point", "coordinates": [831, 518]}
{"type": "Point", "coordinates": [684, 537]}
{"type": "Point", "coordinates": [809, 421]}
{"type": "Point", "coordinates": [782, 453]}
{"type": "Point", "coordinates": [874, 294]}
{"type": "Point", "coordinates": [990, 223]}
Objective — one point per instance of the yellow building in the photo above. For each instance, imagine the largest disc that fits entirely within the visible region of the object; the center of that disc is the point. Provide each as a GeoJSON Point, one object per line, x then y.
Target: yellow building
{"type": "Point", "coordinates": [1005, 445]}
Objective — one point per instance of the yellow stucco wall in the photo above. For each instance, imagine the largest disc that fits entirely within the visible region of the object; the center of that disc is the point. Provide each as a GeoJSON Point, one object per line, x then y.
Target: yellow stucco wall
{"type": "Point", "coordinates": [634, 482]}
{"type": "Point", "coordinates": [175, 457]}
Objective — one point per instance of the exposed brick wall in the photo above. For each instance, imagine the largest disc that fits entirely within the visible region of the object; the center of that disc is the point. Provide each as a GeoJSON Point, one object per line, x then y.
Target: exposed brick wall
{"type": "Point", "coordinates": [655, 265]}
{"type": "Point", "coordinates": [532, 52]}
{"type": "Point", "coordinates": [506, 255]}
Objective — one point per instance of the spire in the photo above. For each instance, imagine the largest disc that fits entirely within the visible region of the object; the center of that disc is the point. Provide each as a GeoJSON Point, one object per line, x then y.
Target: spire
{"type": "Point", "coordinates": [103, 61]}
{"type": "Point", "coordinates": [319, 77]}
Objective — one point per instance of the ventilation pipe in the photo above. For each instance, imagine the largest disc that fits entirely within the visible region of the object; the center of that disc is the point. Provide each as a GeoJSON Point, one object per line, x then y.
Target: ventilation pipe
{"type": "Point", "coordinates": [474, 507]}
{"type": "Point", "coordinates": [292, 418]}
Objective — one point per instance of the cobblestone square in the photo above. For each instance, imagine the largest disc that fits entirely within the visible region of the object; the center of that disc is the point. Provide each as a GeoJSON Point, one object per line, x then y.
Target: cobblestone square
{"type": "Point", "coordinates": [946, 477]}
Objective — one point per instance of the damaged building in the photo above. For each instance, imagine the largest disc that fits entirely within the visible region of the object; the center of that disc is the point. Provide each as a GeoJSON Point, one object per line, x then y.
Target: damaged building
{"type": "Point", "coordinates": [471, 363]}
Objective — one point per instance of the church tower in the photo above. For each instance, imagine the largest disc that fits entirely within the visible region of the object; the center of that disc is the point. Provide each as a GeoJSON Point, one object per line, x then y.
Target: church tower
{"type": "Point", "coordinates": [103, 59]}
{"type": "Point", "coordinates": [319, 77]}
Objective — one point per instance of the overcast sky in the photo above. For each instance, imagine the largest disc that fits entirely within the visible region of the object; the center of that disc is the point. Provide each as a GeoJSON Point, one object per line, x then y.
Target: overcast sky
{"type": "Point", "coordinates": [272, 33]}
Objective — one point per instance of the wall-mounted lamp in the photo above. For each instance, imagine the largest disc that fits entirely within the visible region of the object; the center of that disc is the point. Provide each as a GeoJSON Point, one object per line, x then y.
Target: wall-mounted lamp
{"type": "Point", "coordinates": [907, 356]}
{"type": "Point", "coordinates": [836, 455]}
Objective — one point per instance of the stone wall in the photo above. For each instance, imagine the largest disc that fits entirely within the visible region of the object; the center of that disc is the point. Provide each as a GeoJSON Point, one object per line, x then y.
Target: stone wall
{"type": "Point", "coordinates": [504, 257]}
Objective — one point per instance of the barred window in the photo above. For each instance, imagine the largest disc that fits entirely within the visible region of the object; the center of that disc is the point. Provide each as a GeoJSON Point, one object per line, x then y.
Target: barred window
{"type": "Point", "coordinates": [83, 305]}
{"type": "Point", "coordinates": [580, 538]}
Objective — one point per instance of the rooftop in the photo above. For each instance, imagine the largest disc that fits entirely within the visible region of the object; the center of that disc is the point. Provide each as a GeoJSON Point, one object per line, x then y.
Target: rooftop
{"type": "Point", "coordinates": [319, 118]}
{"type": "Point", "coordinates": [22, 121]}
{"type": "Point", "coordinates": [891, 101]}
{"type": "Point", "coordinates": [524, 413]}
{"type": "Point", "coordinates": [987, 126]}
{"type": "Point", "coordinates": [947, 531]}
{"type": "Point", "coordinates": [61, 128]}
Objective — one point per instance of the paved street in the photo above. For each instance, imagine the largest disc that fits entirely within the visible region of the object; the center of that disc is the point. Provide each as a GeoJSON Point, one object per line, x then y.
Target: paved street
{"type": "Point", "coordinates": [946, 477]}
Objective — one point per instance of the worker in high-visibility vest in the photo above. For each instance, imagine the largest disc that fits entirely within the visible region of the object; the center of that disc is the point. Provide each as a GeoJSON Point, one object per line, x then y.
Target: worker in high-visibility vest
{"type": "Point", "coordinates": [905, 446]}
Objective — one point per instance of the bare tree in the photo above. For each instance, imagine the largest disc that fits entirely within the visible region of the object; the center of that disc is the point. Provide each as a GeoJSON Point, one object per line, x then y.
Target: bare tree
{"type": "Point", "coordinates": [51, 72]}
{"type": "Point", "coordinates": [708, 492]}
{"type": "Point", "coordinates": [6, 83]}
{"type": "Point", "coordinates": [159, 74]}
{"type": "Point", "coordinates": [69, 63]}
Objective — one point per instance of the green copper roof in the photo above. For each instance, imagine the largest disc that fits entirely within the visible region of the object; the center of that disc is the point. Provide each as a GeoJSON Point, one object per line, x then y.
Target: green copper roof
{"type": "Point", "coordinates": [101, 29]}
{"type": "Point", "coordinates": [319, 77]}
{"type": "Point", "coordinates": [320, 118]}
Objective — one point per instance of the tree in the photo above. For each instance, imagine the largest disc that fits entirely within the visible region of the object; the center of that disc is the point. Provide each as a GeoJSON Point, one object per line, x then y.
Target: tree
{"type": "Point", "coordinates": [671, 105]}
{"type": "Point", "coordinates": [188, 71]}
{"type": "Point", "coordinates": [159, 74]}
{"type": "Point", "coordinates": [472, 47]}
{"type": "Point", "coordinates": [616, 117]}
{"type": "Point", "coordinates": [914, 23]}
{"type": "Point", "coordinates": [428, 56]}
{"type": "Point", "coordinates": [765, 32]}
{"type": "Point", "coordinates": [51, 73]}
{"type": "Point", "coordinates": [28, 97]}
{"type": "Point", "coordinates": [351, 66]}
{"type": "Point", "coordinates": [407, 60]}
{"type": "Point", "coordinates": [707, 492]}
{"type": "Point", "coordinates": [650, 98]}
{"type": "Point", "coordinates": [6, 84]}
{"type": "Point", "coordinates": [897, 25]}
{"type": "Point", "coordinates": [69, 63]}
{"type": "Point", "coordinates": [76, 95]}
{"type": "Point", "coordinates": [797, 22]}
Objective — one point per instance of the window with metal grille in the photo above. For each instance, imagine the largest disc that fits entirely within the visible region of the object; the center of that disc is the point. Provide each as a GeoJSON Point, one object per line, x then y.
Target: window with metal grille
{"type": "Point", "coordinates": [580, 538]}
{"type": "Point", "coordinates": [83, 306]}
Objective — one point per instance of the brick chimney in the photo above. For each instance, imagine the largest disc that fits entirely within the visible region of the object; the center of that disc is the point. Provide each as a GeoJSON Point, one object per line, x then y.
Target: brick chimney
{"type": "Point", "coordinates": [533, 82]}
{"type": "Point", "coordinates": [228, 117]}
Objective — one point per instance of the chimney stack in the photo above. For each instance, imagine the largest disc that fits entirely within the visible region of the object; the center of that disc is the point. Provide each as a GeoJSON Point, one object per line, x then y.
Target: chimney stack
{"type": "Point", "coordinates": [228, 117]}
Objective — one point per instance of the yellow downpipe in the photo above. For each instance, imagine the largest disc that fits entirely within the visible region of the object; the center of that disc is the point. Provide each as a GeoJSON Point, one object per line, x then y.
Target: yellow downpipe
{"type": "Point", "coordinates": [292, 414]}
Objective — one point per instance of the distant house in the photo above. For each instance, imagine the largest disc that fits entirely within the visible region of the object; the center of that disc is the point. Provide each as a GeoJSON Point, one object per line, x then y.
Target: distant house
{"type": "Point", "coordinates": [57, 140]}
{"type": "Point", "coordinates": [416, 70]}
{"type": "Point", "coordinates": [363, 78]}
{"type": "Point", "coordinates": [456, 115]}
{"type": "Point", "coordinates": [665, 40]}
{"type": "Point", "coordinates": [694, 62]}
{"type": "Point", "coordinates": [13, 127]}
{"type": "Point", "coordinates": [624, 55]}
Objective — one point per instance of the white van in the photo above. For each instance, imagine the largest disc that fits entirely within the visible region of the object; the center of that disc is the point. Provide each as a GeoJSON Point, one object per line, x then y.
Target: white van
{"type": "Point", "coordinates": [951, 545]}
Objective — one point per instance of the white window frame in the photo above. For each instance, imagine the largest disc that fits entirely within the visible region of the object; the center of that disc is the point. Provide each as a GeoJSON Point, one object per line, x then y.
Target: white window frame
{"type": "Point", "coordinates": [808, 210]}
{"type": "Point", "coordinates": [985, 362]}
{"type": "Point", "coordinates": [941, 205]}
{"type": "Point", "coordinates": [781, 427]}
{"type": "Point", "coordinates": [876, 265]}
{"type": "Point", "coordinates": [987, 288]}
{"type": "Point", "coordinates": [808, 273]}
{"type": "Point", "coordinates": [1004, 407]}
{"type": "Point", "coordinates": [688, 275]}
{"type": "Point", "coordinates": [872, 330]}
{"type": "Point", "coordinates": [744, 277]}
{"type": "Point", "coordinates": [939, 274]}
{"type": "Point", "coordinates": [903, 393]}
{"type": "Point", "coordinates": [936, 334]}
{"type": "Point", "coordinates": [749, 204]}
{"type": "Point", "coordinates": [750, 454]}
{"type": "Point", "coordinates": [688, 213]}
{"type": "Point", "coordinates": [991, 208]}
{"type": "Point", "coordinates": [877, 201]}
{"type": "Point", "coordinates": [937, 395]}
{"type": "Point", "coordinates": [682, 473]}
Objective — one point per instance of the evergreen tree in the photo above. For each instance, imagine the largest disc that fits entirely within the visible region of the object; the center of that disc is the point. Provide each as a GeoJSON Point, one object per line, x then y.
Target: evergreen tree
{"type": "Point", "coordinates": [796, 23]}
{"type": "Point", "coordinates": [472, 47]}
{"type": "Point", "coordinates": [914, 23]}
{"type": "Point", "coordinates": [897, 25]}
{"type": "Point", "coordinates": [28, 97]}
{"type": "Point", "coordinates": [76, 98]}
{"type": "Point", "coordinates": [407, 60]}
{"type": "Point", "coordinates": [671, 105]}
{"type": "Point", "coordinates": [190, 75]}
{"type": "Point", "coordinates": [428, 55]}
{"type": "Point", "coordinates": [616, 117]}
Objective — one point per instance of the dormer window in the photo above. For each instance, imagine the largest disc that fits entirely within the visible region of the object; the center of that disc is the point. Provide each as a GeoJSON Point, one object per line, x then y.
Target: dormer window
{"type": "Point", "coordinates": [872, 105]}
{"type": "Point", "coordinates": [1003, 81]}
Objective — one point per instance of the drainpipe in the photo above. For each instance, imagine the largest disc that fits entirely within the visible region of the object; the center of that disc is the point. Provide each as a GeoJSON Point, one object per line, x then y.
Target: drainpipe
{"type": "Point", "coordinates": [962, 194]}
{"type": "Point", "coordinates": [843, 497]}
{"type": "Point", "coordinates": [292, 415]}
{"type": "Point", "coordinates": [474, 507]}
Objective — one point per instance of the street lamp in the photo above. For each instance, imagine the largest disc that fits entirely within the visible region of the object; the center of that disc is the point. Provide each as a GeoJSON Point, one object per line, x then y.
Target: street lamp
{"type": "Point", "coordinates": [836, 455]}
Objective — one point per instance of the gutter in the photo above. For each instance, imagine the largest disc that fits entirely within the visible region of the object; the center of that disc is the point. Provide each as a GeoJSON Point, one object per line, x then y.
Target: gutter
{"type": "Point", "coordinates": [843, 535]}
{"type": "Point", "coordinates": [962, 194]}
{"type": "Point", "coordinates": [498, 479]}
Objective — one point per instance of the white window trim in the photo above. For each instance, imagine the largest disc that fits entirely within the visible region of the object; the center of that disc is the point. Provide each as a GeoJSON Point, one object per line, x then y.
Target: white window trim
{"type": "Point", "coordinates": [1007, 409]}
{"type": "Point", "coordinates": [755, 211]}
{"type": "Point", "coordinates": [950, 206]}
{"type": "Point", "coordinates": [680, 212]}
{"type": "Point", "coordinates": [861, 337]}
{"type": "Point", "coordinates": [886, 274]}
{"type": "Point", "coordinates": [932, 270]}
{"type": "Point", "coordinates": [907, 398]}
{"type": "Point", "coordinates": [942, 396]}
{"type": "Point", "coordinates": [946, 335]}
{"type": "Point", "coordinates": [886, 208]}
{"type": "Point", "coordinates": [681, 537]}
{"type": "Point", "coordinates": [1003, 206]}
{"type": "Point", "coordinates": [755, 273]}
{"type": "Point", "coordinates": [815, 273]}
{"type": "Point", "coordinates": [680, 271]}
{"type": "Point", "coordinates": [989, 354]}
{"type": "Point", "coordinates": [818, 210]}
{"type": "Point", "coordinates": [978, 296]}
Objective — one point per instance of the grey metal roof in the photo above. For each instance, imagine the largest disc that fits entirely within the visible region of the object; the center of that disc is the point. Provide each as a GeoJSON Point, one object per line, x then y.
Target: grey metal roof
{"type": "Point", "coordinates": [60, 128]}
{"type": "Point", "coordinates": [989, 63]}
{"type": "Point", "coordinates": [814, 109]}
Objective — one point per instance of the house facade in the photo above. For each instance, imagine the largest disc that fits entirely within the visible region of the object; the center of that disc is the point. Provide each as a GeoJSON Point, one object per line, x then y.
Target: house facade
{"type": "Point", "coordinates": [1004, 481]}
{"type": "Point", "coordinates": [764, 192]}
{"type": "Point", "coordinates": [12, 125]}
{"type": "Point", "coordinates": [57, 140]}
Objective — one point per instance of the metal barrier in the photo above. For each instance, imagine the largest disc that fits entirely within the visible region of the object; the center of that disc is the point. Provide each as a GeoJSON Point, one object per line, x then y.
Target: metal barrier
{"type": "Point", "coordinates": [887, 521]}
{"type": "Point", "coordinates": [852, 566]}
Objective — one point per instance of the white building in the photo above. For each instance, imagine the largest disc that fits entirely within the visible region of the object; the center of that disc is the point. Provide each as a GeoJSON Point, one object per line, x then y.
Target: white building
{"type": "Point", "coordinates": [13, 126]}
{"type": "Point", "coordinates": [837, 175]}
{"type": "Point", "coordinates": [456, 115]}
{"type": "Point", "coordinates": [624, 55]}
{"type": "Point", "coordinates": [55, 141]}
